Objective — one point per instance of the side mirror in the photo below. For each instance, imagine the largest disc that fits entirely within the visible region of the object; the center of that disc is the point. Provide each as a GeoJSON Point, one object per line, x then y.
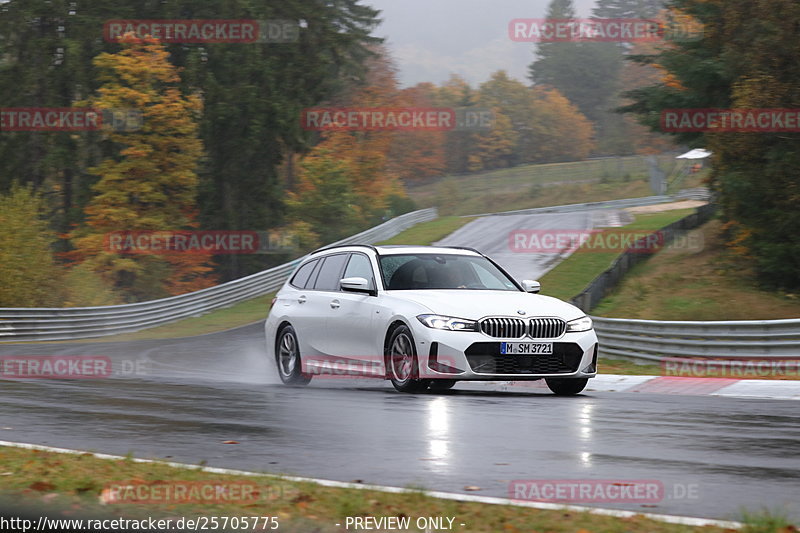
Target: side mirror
{"type": "Point", "coordinates": [357, 285]}
{"type": "Point", "coordinates": [528, 285]}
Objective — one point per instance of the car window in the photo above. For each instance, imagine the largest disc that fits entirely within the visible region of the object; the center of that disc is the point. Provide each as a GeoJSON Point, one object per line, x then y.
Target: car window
{"type": "Point", "coordinates": [445, 271]}
{"type": "Point", "coordinates": [330, 273]}
{"type": "Point", "coordinates": [360, 266]}
{"type": "Point", "coordinates": [300, 277]}
{"type": "Point", "coordinates": [488, 279]}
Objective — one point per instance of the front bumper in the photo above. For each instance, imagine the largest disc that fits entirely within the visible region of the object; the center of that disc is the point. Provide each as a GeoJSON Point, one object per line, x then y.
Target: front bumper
{"type": "Point", "coordinates": [463, 355]}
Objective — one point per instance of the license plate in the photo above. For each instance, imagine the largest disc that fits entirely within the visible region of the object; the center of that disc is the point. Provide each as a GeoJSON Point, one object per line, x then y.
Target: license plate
{"type": "Point", "coordinates": [526, 348]}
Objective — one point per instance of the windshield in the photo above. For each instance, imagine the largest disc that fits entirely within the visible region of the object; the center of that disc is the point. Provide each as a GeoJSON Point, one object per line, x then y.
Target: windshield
{"type": "Point", "coordinates": [445, 271]}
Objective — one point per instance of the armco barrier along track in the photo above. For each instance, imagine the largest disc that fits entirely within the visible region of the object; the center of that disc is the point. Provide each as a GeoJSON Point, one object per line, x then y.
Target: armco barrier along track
{"type": "Point", "coordinates": [652, 340]}
{"type": "Point", "coordinates": [46, 324]}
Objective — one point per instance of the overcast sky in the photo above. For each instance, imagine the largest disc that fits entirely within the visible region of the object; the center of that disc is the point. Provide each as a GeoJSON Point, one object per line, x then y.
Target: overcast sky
{"type": "Point", "coordinates": [429, 39]}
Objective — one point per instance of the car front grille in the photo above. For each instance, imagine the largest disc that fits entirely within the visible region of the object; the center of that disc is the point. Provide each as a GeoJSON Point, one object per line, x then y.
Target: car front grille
{"type": "Point", "coordinates": [516, 328]}
{"type": "Point", "coordinates": [485, 358]}
{"type": "Point", "coordinates": [546, 328]}
{"type": "Point", "coordinates": [504, 328]}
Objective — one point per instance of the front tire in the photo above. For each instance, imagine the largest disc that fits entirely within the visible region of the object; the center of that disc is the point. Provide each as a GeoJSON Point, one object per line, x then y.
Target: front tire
{"type": "Point", "coordinates": [566, 386]}
{"type": "Point", "coordinates": [287, 357]}
{"type": "Point", "coordinates": [402, 365]}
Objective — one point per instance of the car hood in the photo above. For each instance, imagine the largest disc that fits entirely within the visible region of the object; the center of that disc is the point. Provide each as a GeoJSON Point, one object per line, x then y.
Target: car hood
{"type": "Point", "coordinates": [475, 304]}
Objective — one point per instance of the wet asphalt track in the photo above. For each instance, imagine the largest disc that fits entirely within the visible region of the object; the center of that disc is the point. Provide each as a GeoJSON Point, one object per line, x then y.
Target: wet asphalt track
{"type": "Point", "coordinates": [495, 237]}
{"type": "Point", "coordinates": [201, 391]}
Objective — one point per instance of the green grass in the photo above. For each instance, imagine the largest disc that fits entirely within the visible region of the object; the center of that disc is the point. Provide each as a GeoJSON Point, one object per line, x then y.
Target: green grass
{"type": "Point", "coordinates": [627, 368]}
{"type": "Point", "coordinates": [704, 282]}
{"type": "Point", "coordinates": [575, 273]}
{"type": "Point", "coordinates": [71, 486]}
{"type": "Point", "coordinates": [541, 185]}
{"type": "Point", "coordinates": [427, 233]}
{"type": "Point", "coordinates": [520, 178]}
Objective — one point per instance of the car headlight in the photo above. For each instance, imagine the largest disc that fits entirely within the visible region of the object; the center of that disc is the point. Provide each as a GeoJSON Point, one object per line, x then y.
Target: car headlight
{"type": "Point", "coordinates": [579, 324]}
{"type": "Point", "coordinates": [448, 322]}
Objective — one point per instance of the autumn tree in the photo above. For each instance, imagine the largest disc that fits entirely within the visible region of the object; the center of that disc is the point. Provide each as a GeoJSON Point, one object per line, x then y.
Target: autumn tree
{"type": "Point", "coordinates": [29, 275]}
{"type": "Point", "coordinates": [494, 148]}
{"type": "Point", "coordinates": [561, 131]}
{"type": "Point", "coordinates": [544, 125]}
{"type": "Point", "coordinates": [459, 145]}
{"type": "Point", "coordinates": [325, 201]}
{"type": "Point", "coordinates": [353, 163]}
{"type": "Point", "coordinates": [417, 155]}
{"type": "Point", "coordinates": [152, 185]}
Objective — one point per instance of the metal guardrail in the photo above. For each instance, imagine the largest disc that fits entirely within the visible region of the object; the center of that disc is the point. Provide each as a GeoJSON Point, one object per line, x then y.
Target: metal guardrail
{"type": "Point", "coordinates": [628, 202]}
{"type": "Point", "coordinates": [52, 324]}
{"type": "Point", "coordinates": [699, 193]}
{"type": "Point", "coordinates": [652, 340]}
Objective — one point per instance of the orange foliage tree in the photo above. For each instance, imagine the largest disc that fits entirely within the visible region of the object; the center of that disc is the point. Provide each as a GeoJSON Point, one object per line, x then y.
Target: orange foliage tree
{"type": "Point", "coordinates": [152, 183]}
{"type": "Point", "coordinates": [353, 165]}
{"type": "Point", "coordinates": [417, 155]}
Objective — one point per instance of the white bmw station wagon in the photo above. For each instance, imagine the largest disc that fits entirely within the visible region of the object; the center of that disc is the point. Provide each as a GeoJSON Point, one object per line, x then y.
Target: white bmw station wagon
{"type": "Point", "coordinates": [424, 317]}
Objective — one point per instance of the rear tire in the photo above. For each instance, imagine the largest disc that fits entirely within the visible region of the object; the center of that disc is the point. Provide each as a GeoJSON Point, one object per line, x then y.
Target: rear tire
{"type": "Point", "coordinates": [566, 386]}
{"type": "Point", "coordinates": [402, 365]}
{"type": "Point", "coordinates": [287, 357]}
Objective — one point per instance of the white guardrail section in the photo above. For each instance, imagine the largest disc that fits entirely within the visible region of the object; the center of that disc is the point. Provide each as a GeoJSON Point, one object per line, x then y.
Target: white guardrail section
{"type": "Point", "coordinates": [652, 340]}
{"type": "Point", "coordinates": [52, 324]}
{"type": "Point", "coordinates": [698, 193]}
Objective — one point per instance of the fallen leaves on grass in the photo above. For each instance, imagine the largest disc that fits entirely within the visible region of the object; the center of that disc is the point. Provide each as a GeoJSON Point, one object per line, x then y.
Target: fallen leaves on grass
{"type": "Point", "coordinates": [41, 486]}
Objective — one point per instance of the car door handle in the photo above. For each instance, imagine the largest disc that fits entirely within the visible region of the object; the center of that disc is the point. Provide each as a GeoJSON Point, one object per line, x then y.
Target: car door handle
{"type": "Point", "coordinates": [301, 300]}
{"type": "Point", "coordinates": [335, 304]}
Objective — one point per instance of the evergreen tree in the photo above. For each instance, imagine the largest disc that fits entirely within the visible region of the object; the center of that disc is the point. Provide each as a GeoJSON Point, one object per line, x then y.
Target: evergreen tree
{"type": "Point", "coordinates": [746, 58]}
{"type": "Point", "coordinates": [587, 74]}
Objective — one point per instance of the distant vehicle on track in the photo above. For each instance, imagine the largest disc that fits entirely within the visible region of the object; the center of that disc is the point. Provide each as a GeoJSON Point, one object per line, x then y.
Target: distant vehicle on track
{"type": "Point", "coordinates": [425, 318]}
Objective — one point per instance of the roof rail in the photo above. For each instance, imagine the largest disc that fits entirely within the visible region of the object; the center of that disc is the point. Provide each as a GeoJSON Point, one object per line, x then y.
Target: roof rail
{"type": "Point", "coordinates": [334, 246]}
{"type": "Point", "coordinates": [463, 248]}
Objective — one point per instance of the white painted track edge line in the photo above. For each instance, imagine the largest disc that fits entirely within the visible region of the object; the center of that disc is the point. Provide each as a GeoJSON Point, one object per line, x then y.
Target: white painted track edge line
{"type": "Point", "coordinates": [491, 500]}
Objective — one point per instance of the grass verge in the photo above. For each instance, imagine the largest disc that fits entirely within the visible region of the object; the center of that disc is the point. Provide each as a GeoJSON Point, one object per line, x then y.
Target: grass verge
{"type": "Point", "coordinates": [702, 283]}
{"type": "Point", "coordinates": [72, 485]}
{"type": "Point", "coordinates": [427, 233]}
{"type": "Point", "coordinates": [573, 274]}
{"type": "Point", "coordinates": [540, 186]}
